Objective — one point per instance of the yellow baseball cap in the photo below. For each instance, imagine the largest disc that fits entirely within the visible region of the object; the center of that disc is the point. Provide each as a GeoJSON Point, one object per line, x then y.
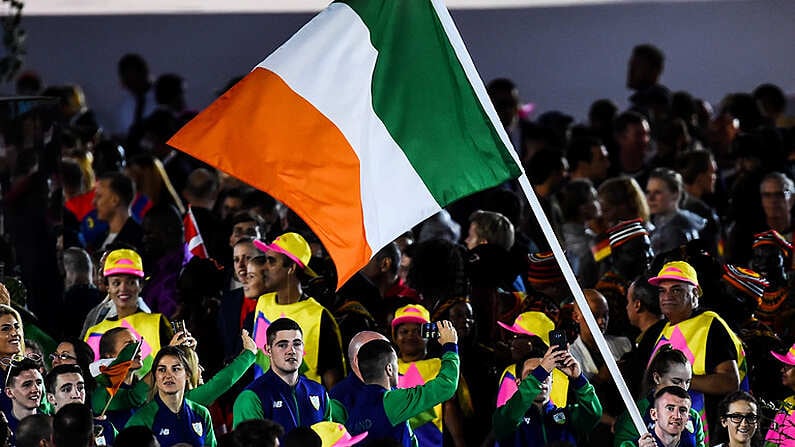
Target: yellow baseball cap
{"type": "Point", "coordinates": [531, 323]}
{"type": "Point", "coordinates": [333, 434]}
{"type": "Point", "coordinates": [413, 313]}
{"type": "Point", "coordinates": [292, 245]}
{"type": "Point", "coordinates": [676, 271]}
{"type": "Point", "coordinates": [123, 262]}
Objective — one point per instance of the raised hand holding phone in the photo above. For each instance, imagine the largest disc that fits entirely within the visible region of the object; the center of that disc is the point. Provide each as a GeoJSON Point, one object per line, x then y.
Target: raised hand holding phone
{"type": "Point", "coordinates": [447, 333]}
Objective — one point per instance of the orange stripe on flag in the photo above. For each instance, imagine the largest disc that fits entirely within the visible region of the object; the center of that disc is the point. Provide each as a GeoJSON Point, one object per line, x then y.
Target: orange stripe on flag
{"type": "Point", "coordinates": [266, 135]}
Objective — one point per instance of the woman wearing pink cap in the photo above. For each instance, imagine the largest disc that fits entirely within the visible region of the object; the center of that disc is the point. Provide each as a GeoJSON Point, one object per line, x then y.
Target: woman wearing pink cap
{"type": "Point", "coordinates": [782, 430]}
{"type": "Point", "coordinates": [124, 272]}
{"type": "Point", "coordinates": [416, 369]}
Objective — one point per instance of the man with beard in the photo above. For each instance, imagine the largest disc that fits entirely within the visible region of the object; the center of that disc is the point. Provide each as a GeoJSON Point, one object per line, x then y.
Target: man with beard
{"type": "Point", "coordinates": [713, 349]}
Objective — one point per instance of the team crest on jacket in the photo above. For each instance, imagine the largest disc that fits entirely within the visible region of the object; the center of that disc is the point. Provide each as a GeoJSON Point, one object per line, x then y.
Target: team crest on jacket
{"type": "Point", "coordinates": [315, 401]}
{"type": "Point", "coordinates": [197, 427]}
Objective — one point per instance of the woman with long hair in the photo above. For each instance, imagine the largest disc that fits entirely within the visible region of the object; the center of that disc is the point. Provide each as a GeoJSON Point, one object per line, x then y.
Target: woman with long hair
{"type": "Point", "coordinates": [621, 198]}
{"type": "Point", "coordinates": [123, 269]}
{"type": "Point", "coordinates": [170, 415]}
{"type": "Point", "coordinates": [12, 346]}
{"type": "Point", "coordinates": [669, 367]}
{"type": "Point", "coordinates": [739, 414]}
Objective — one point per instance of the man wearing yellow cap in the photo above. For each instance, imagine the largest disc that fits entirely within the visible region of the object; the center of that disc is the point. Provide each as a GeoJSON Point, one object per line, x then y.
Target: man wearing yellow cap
{"type": "Point", "coordinates": [287, 263]}
{"type": "Point", "coordinates": [713, 349]}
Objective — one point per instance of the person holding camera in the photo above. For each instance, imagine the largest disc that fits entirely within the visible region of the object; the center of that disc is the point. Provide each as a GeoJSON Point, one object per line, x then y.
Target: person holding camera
{"type": "Point", "coordinates": [411, 331]}
{"type": "Point", "coordinates": [381, 408]}
{"type": "Point", "coordinates": [530, 418]}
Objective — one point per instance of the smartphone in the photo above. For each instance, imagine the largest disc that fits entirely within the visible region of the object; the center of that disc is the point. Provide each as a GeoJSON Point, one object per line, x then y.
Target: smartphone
{"type": "Point", "coordinates": [178, 325]}
{"type": "Point", "coordinates": [430, 331]}
{"type": "Point", "coordinates": [557, 338]}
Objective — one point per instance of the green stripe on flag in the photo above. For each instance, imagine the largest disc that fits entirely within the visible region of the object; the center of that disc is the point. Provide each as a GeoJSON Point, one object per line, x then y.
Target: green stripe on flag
{"type": "Point", "coordinates": [426, 102]}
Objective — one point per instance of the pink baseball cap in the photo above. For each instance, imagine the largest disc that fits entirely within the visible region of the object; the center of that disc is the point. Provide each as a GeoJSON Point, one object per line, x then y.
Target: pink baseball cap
{"type": "Point", "coordinates": [788, 358]}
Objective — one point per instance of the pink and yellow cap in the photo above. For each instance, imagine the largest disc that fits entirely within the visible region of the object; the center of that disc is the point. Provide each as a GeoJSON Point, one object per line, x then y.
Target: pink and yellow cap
{"type": "Point", "coordinates": [676, 271]}
{"type": "Point", "coordinates": [413, 313]}
{"type": "Point", "coordinates": [788, 358]}
{"type": "Point", "coordinates": [531, 323]}
{"type": "Point", "coordinates": [333, 434]}
{"type": "Point", "coordinates": [292, 245]}
{"type": "Point", "coordinates": [123, 262]}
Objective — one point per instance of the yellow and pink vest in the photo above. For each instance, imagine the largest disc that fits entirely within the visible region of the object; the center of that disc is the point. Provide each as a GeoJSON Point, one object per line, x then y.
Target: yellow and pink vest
{"type": "Point", "coordinates": [690, 337]}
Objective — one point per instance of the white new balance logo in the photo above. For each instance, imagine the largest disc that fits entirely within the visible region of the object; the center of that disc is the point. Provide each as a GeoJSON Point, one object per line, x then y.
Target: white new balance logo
{"type": "Point", "coordinates": [277, 404]}
{"type": "Point", "coordinates": [164, 432]}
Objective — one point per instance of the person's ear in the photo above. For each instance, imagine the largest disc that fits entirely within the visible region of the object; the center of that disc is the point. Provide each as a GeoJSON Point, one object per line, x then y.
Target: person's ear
{"type": "Point", "coordinates": [8, 393]}
{"type": "Point", "coordinates": [292, 269]}
{"type": "Point", "coordinates": [51, 399]}
{"type": "Point", "coordinates": [723, 422]}
{"type": "Point", "coordinates": [390, 371]}
{"type": "Point", "coordinates": [653, 414]}
{"type": "Point", "coordinates": [656, 378]}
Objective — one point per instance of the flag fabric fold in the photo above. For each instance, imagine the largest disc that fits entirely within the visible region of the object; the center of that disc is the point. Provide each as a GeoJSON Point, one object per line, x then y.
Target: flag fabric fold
{"type": "Point", "coordinates": [194, 244]}
{"type": "Point", "coordinates": [368, 120]}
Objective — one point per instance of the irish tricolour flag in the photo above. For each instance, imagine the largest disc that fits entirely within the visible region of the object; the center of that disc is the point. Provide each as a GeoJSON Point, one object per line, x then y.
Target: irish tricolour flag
{"type": "Point", "coordinates": [368, 120]}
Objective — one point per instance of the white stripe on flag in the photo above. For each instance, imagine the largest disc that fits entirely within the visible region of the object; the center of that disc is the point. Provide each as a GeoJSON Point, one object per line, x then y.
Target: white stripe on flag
{"type": "Point", "coordinates": [195, 241]}
{"type": "Point", "coordinates": [330, 63]}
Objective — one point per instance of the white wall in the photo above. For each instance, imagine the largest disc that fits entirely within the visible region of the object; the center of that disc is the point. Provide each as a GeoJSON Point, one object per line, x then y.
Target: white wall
{"type": "Point", "coordinates": [562, 58]}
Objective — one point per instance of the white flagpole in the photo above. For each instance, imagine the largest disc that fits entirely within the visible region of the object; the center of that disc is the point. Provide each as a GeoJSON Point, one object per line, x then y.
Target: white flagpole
{"type": "Point", "coordinates": [480, 91]}
{"type": "Point", "coordinates": [626, 396]}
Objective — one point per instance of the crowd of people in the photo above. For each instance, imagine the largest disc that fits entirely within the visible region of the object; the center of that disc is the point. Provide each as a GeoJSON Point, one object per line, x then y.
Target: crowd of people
{"type": "Point", "coordinates": [676, 218]}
